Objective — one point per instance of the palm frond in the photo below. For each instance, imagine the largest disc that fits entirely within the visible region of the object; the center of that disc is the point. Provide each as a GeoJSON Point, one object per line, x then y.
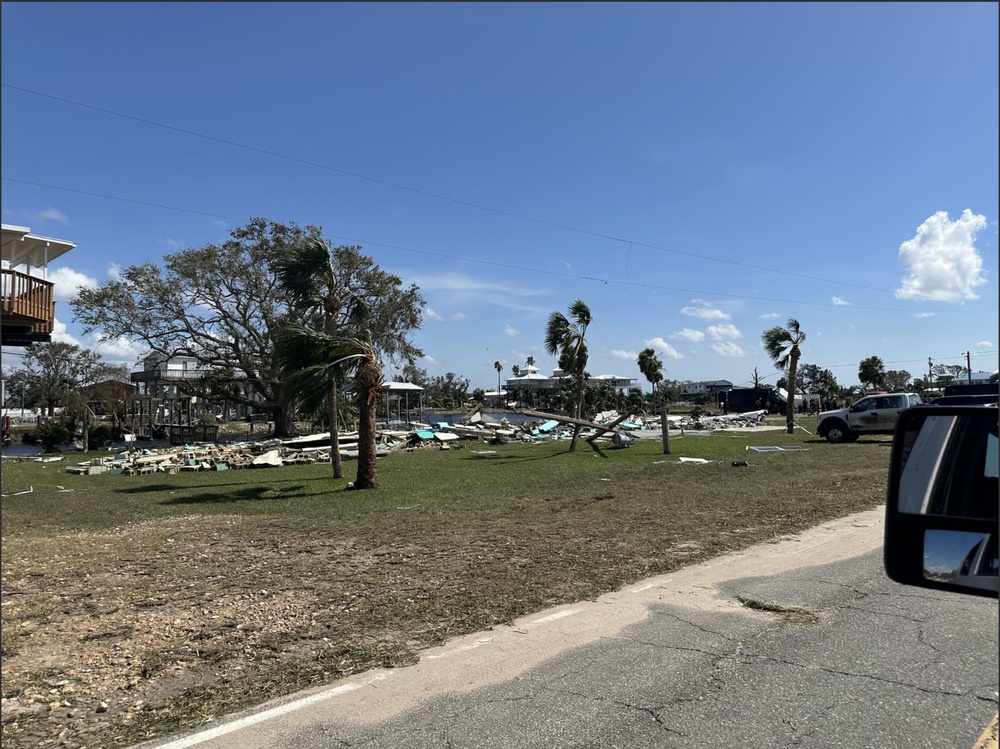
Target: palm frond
{"type": "Point", "coordinates": [305, 270]}
{"type": "Point", "coordinates": [556, 332]}
{"type": "Point", "coordinates": [581, 313]}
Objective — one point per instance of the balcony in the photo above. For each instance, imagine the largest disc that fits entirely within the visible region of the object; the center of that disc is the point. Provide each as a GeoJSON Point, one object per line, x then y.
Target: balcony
{"type": "Point", "coordinates": [158, 375]}
{"type": "Point", "coordinates": [27, 301]}
{"type": "Point", "coordinates": [29, 310]}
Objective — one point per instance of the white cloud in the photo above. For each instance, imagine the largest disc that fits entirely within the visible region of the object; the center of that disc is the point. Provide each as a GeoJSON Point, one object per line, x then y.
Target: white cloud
{"type": "Point", "coordinates": [51, 214]}
{"type": "Point", "coordinates": [925, 314]}
{"type": "Point", "coordinates": [664, 349]}
{"type": "Point", "coordinates": [114, 271]}
{"type": "Point", "coordinates": [508, 330]}
{"type": "Point", "coordinates": [428, 359]}
{"type": "Point", "coordinates": [941, 259]}
{"type": "Point", "coordinates": [984, 344]}
{"type": "Point", "coordinates": [626, 355]}
{"type": "Point", "coordinates": [432, 315]}
{"type": "Point", "coordinates": [770, 316]}
{"type": "Point", "coordinates": [66, 283]}
{"type": "Point", "coordinates": [459, 316]}
{"type": "Point", "coordinates": [704, 310]}
{"type": "Point", "coordinates": [727, 332]}
{"type": "Point", "coordinates": [728, 349]}
{"type": "Point", "coordinates": [116, 350]}
{"type": "Point", "coordinates": [688, 334]}
{"type": "Point", "coordinates": [60, 335]}
{"type": "Point", "coordinates": [840, 302]}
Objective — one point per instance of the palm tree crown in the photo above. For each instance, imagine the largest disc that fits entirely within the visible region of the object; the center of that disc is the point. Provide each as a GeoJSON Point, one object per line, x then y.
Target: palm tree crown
{"type": "Point", "coordinates": [651, 367]}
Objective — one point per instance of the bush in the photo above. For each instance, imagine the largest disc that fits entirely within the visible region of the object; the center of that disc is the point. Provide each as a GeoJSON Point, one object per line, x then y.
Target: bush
{"type": "Point", "coordinates": [99, 437]}
{"type": "Point", "coordinates": [52, 433]}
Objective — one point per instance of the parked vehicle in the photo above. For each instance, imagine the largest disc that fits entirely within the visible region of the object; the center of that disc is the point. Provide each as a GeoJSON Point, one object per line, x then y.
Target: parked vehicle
{"type": "Point", "coordinates": [741, 400]}
{"type": "Point", "coordinates": [873, 414]}
{"type": "Point", "coordinates": [968, 395]}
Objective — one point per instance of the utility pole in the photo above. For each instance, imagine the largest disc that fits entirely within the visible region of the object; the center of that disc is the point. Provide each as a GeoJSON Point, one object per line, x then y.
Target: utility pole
{"type": "Point", "coordinates": [930, 372]}
{"type": "Point", "coordinates": [968, 364]}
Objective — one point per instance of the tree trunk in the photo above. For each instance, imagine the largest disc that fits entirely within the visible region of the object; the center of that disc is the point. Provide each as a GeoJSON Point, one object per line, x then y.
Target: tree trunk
{"type": "Point", "coordinates": [367, 382]}
{"type": "Point", "coordinates": [793, 364]}
{"type": "Point", "coordinates": [336, 462]}
{"type": "Point", "coordinates": [579, 410]}
{"type": "Point", "coordinates": [665, 428]}
{"type": "Point", "coordinates": [284, 422]}
{"type": "Point", "coordinates": [331, 309]}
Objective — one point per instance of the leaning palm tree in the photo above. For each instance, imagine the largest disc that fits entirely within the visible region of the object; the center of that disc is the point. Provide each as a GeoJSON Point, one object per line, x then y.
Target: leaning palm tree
{"type": "Point", "coordinates": [567, 338]}
{"type": "Point", "coordinates": [308, 273]}
{"type": "Point", "coordinates": [320, 356]}
{"type": "Point", "coordinates": [652, 368]}
{"type": "Point", "coordinates": [782, 345]}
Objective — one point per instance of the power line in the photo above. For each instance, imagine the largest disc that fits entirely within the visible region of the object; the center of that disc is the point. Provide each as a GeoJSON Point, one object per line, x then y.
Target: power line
{"type": "Point", "coordinates": [438, 196]}
{"type": "Point", "coordinates": [595, 279]}
{"type": "Point", "coordinates": [123, 200]}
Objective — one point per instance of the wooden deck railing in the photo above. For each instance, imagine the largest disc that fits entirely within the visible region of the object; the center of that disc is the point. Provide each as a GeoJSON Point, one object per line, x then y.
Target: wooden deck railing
{"type": "Point", "coordinates": [28, 300]}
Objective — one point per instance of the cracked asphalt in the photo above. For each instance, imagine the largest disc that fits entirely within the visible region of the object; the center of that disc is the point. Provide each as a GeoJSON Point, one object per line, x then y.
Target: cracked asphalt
{"type": "Point", "coordinates": [799, 643]}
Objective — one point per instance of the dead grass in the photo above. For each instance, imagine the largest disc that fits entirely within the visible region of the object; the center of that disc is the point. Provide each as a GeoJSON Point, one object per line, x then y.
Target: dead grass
{"type": "Point", "coordinates": [136, 607]}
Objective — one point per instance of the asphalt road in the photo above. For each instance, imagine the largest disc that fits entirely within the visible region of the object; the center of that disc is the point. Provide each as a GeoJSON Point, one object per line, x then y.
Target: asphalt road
{"type": "Point", "coordinates": [799, 643]}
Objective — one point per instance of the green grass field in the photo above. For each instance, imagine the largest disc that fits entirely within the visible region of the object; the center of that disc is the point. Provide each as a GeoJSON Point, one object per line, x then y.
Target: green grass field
{"type": "Point", "coordinates": [170, 599]}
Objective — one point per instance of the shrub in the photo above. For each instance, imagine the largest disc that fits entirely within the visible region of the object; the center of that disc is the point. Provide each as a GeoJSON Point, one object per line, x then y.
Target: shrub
{"type": "Point", "coordinates": [99, 437]}
{"type": "Point", "coordinates": [52, 433]}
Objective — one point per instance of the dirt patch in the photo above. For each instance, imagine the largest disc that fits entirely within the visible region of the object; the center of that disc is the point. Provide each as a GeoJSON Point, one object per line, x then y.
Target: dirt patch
{"type": "Point", "coordinates": [106, 634]}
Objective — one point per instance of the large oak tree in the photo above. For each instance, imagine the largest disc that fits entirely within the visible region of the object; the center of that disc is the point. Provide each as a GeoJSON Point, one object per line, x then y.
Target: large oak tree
{"type": "Point", "coordinates": [223, 305]}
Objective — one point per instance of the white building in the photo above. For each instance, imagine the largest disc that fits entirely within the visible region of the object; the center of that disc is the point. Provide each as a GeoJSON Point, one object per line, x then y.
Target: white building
{"type": "Point", "coordinates": [705, 386]}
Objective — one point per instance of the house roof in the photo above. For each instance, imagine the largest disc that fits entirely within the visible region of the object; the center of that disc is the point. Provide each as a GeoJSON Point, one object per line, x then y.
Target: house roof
{"type": "Point", "coordinates": [401, 386]}
{"type": "Point", "coordinates": [21, 247]}
{"type": "Point", "coordinates": [611, 377]}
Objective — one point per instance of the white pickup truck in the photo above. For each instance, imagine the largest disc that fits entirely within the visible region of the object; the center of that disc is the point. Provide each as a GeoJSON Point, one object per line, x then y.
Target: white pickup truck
{"type": "Point", "coordinates": [873, 414]}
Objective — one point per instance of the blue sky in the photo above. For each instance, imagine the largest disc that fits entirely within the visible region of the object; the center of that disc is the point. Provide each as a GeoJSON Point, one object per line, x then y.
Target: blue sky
{"type": "Point", "coordinates": [696, 173]}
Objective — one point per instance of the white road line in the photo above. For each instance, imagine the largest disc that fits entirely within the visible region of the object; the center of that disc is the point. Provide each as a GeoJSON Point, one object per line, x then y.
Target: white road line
{"type": "Point", "coordinates": [557, 615]}
{"type": "Point", "coordinates": [250, 720]}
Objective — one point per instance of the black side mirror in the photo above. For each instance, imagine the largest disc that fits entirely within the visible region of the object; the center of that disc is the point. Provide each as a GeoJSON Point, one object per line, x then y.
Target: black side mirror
{"type": "Point", "coordinates": [941, 521]}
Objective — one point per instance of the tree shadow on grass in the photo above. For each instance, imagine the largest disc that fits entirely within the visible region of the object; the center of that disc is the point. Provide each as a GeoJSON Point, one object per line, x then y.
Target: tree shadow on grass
{"type": "Point", "coordinates": [246, 494]}
{"type": "Point", "coordinates": [150, 488]}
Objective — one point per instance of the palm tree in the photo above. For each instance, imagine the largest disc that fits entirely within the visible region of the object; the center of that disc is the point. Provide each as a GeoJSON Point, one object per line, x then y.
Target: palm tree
{"type": "Point", "coordinates": [499, 368]}
{"type": "Point", "coordinates": [652, 369]}
{"type": "Point", "coordinates": [568, 338]}
{"type": "Point", "coordinates": [871, 371]}
{"type": "Point", "coordinates": [309, 275]}
{"type": "Point", "coordinates": [330, 356]}
{"type": "Point", "coordinates": [782, 345]}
